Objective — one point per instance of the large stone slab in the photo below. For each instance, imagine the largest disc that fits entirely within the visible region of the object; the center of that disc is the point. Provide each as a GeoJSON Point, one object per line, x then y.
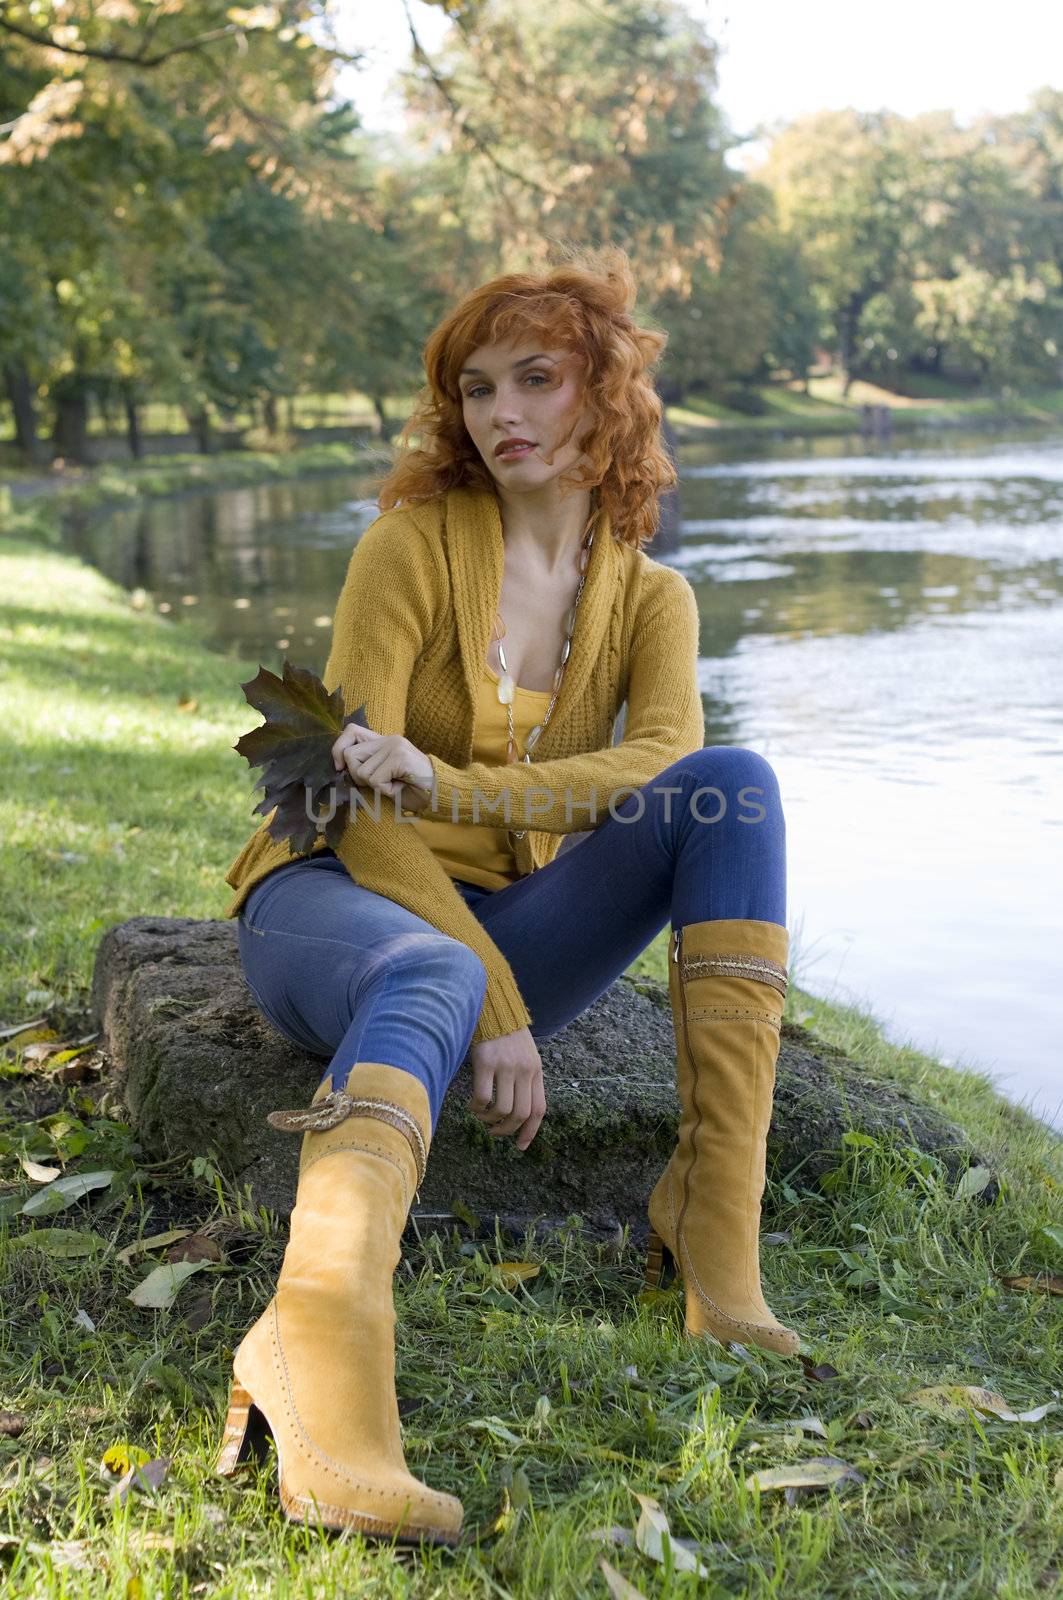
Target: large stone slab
{"type": "Point", "coordinates": [198, 1067]}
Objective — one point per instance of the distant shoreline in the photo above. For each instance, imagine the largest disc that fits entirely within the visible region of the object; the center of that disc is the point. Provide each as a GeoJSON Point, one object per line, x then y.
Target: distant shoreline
{"type": "Point", "coordinates": [787, 413]}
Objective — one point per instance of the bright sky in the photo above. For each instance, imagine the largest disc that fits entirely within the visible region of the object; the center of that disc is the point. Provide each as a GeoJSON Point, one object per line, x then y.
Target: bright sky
{"type": "Point", "coordinates": [780, 58]}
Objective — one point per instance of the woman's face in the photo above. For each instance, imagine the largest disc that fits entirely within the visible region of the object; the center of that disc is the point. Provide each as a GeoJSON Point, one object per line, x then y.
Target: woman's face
{"type": "Point", "coordinates": [524, 391]}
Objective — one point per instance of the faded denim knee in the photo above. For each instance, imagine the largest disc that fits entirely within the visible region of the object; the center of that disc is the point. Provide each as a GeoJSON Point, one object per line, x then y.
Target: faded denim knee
{"type": "Point", "coordinates": [431, 969]}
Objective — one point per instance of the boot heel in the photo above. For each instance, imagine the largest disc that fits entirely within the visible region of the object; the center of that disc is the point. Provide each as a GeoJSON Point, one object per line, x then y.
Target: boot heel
{"type": "Point", "coordinates": [246, 1433]}
{"type": "Point", "coordinates": [660, 1263]}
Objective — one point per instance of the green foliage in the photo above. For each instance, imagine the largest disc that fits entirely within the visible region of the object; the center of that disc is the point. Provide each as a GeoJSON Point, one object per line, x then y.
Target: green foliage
{"type": "Point", "coordinates": [194, 217]}
{"type": "Point", "coordinates": [189, 215]}
{"type": "Point", "coordinates": [930, 246]}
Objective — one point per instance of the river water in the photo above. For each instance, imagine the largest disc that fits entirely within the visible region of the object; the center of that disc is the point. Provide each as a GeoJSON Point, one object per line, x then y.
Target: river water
{"type": "Point", "coordinates": [882, 621]}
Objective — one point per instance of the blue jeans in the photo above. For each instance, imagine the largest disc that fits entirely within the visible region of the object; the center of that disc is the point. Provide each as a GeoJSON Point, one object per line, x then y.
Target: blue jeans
{"type": "Point", "coordinates": [350, 975]}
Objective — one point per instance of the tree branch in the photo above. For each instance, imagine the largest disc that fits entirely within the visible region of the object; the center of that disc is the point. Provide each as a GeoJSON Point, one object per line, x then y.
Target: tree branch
{"type": "Point", "coordinates": [141, 58]}
{"type": "Point", "coordinates": [464, 126]}
{"type": "Point", "coordinates": [137, 59]}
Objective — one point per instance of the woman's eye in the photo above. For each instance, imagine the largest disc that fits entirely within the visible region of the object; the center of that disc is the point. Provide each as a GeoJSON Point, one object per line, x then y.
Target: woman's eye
{"type": "Point", "coordinates": [471, 394]}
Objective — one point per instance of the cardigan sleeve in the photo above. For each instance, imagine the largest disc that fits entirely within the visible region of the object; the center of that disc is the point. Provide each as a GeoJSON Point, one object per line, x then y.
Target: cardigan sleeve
{"type": "Point", "coordinates": [384, 614]}
{"type": "Point", "coordinates": [665, 720]}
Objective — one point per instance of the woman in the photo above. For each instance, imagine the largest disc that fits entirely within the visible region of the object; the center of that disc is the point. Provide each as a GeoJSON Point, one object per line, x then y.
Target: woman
{"type": "Point", "coordinates": [493, 621]}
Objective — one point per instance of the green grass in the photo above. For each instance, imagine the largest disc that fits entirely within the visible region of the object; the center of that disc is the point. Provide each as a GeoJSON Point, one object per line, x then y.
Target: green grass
{"type": "Point", "coordinates": [824, 410]}
{"type": "Point", "coordinates": [546, 1407]}
{"type": "Point", "coordinates": [86, 488]}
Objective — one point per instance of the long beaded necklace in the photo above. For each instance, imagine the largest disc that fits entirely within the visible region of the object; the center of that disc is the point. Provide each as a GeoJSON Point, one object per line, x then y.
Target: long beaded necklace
{"type": "Point", "coordinates": [506, 685]}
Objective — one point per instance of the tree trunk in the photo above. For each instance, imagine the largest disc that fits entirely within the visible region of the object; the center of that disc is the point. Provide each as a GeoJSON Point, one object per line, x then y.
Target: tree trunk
{"type": "Point", "coordinates": [199, 424]}
{"type": "Point", "coordinates": [387, 425]}
{"type": "Point", "coordinates": [23, 405]}
{"type": "Point", "coordinates": [847, 325]}
{"type": "Point", "coordinates": [269, 415]}
{"type": "Point", "coordinates": [70, 437]}
{"type": "Point", "coordinates": [132, 423]}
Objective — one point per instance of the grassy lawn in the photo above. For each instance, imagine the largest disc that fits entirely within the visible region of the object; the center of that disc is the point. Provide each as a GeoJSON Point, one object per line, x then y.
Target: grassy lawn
{"type": "Point", "coordinates": [548, 1402]}
{"type": "Point", "coordinates": [84, 487]}
{"type": "Point", "coordinates": [824, 409]}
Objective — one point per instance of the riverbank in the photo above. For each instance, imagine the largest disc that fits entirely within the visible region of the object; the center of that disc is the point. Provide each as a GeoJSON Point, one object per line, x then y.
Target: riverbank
{"type": "Point", "coordinates": [31, 503]}
{"type": "Point", "coordinates": [788, 411]}
{"type": "Point", "coordinates": [784, 411]}
{"type": "Point", "coordinates": [547, 1402]}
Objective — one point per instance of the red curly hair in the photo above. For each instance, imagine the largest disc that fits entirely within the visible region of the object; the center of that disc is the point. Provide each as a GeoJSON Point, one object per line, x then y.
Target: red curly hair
{"type": "Point", "coordinates": [583, 306]}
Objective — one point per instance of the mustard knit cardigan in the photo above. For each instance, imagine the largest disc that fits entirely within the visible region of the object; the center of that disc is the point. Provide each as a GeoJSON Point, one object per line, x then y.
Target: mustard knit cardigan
{"type": "Point", "coordinates": [409, 640]}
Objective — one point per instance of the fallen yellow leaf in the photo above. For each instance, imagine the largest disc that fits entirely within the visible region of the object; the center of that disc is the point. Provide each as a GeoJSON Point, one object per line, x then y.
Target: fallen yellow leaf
{"type": "Point", "coordinates": [119, 1458]}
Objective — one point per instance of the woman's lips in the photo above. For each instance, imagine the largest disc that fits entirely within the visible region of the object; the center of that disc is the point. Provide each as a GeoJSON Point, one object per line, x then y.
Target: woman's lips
{"type": "Point", "coordinates": [516, 450]}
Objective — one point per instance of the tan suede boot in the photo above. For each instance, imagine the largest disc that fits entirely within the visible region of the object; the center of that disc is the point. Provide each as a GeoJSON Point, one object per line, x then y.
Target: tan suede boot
{"type": "Point", "coordinates": [727, 984]}
{"type": "Point", "coordinates": [317, 1370]}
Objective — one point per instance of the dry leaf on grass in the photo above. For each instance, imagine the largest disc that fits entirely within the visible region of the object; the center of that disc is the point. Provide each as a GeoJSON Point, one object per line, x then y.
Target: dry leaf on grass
{"type": "Point", "coordinates": [973, 1182]}
{"type": "Point", "coordinates": [64, 1244]}
{"type": "Point", "coordinates": [653, 1530]}
{"type": "Point", "coordinates": [158, 1291]}
{"type": "Point", "coordinates": [495, 1428]}
{"type": "Point", "coordinates": [64, 1192]}
{"type": "Point", "coordinates": [39, 1173]}
{"type": "Point", "coordinates": [196, 1247]}
{"type": "Point", "coordinates": [820, 1372]}
{"type": "Point", "coordinates": [118, 1458]}
{"type": "Point", "coordinates": [508, 1273]}
{"type": "Point", "coordinates": [11, 1030]}
{"type": "Point", "coordinates": [810, 1425]}
{"type": "Point", "coordinates": [818, 1472]}
{"type": "Point", "coordinates": [1038, 1283]}
{"type": "Point", "coordinates": [619, 1587]}
{"type": "Point", "coordinates": [79, 1555]}
{"type": "Point", "coordinates": [958, 1400]}
{"type": "Point", "coordinates": [156, 1241]}
{"type": "Point", "coordinates": [33, 1044]}
{"type": "Point", "coordinates": [146, 1479]}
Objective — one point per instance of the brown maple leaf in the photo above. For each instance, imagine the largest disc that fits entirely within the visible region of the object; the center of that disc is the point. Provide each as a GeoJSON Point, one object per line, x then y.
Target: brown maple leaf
{"type": "Point", "coordinates": [294, 749]}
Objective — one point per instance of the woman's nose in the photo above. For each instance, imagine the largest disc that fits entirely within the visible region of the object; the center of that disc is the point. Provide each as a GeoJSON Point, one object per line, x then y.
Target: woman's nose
{"type": "Point", "coordinates": [505, 408]}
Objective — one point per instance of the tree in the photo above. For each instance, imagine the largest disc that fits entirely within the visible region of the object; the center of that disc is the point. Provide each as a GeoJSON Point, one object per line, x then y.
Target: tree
{"type": "Point", "coordinates": [932, 246]}
{"type": "Point", "coordinates": [578, 123]}
{"type": "Point", "coordinates": [138, 146]}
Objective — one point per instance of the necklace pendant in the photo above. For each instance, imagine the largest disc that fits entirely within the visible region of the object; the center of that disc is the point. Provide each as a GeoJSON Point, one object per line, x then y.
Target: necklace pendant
{"type": "Point", "coordinates": [505, 689]}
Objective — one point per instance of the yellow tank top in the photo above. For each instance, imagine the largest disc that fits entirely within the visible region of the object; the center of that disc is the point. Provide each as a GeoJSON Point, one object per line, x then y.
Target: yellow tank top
{"type": "Point", "coordinates": [478, 852]}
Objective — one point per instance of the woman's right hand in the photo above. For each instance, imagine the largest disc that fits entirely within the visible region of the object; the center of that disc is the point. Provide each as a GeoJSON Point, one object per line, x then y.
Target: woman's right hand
{"type": "Point", "coordinates": [507, 1086]}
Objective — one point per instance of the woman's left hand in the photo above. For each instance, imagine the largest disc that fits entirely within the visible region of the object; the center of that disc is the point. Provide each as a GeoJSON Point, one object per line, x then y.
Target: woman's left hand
{"type": "Point", "coordinates": [385, 761]}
